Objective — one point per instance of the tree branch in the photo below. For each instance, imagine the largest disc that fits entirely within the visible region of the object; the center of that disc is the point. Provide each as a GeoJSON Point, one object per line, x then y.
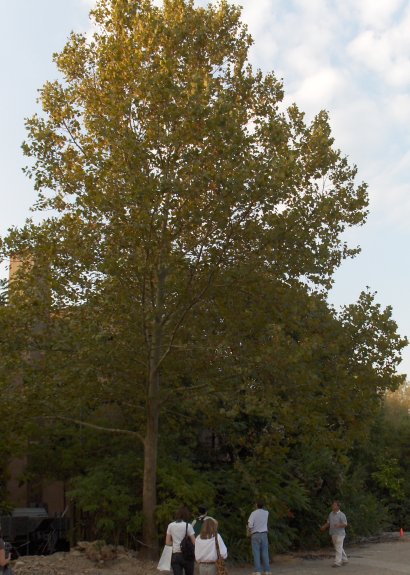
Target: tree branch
{"type": "Point", "coordinates": [97, 427]}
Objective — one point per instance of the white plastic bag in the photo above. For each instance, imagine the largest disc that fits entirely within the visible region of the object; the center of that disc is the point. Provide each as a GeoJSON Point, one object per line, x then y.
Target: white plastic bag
{"type": "Point", "coordinates": [165, 559]}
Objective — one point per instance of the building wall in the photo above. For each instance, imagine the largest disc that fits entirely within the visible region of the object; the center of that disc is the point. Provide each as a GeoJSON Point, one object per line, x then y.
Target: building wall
{"type": "Point", "coordinates": [22, 493]}
{"type": "Point", "coordinates": [16, 488]}
{"type": "Point", "coordinates": [54, 497]}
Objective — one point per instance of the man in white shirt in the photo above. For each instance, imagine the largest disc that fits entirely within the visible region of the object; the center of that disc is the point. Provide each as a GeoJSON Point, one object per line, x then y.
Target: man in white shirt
{"type": "Point", "coordinates": [336, 523]}
{"type": "Point", "coordinates": [258, 530]}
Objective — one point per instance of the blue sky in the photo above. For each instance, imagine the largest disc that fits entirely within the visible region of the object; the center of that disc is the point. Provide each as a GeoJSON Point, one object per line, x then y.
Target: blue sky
{"type": "Point", "coordinates": [350, 57]}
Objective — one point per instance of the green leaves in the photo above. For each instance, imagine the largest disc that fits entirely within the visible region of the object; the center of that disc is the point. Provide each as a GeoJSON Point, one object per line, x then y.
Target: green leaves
{"type": "Point", "coordinates": [106, 492]}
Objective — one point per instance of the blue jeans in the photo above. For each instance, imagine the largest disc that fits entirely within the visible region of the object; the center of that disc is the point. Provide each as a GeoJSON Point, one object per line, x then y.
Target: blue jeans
{"type": "Point", "coordinates": [260, 550]}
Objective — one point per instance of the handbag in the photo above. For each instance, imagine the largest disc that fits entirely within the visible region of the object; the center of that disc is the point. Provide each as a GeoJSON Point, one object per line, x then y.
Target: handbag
{"type": "Point", "coordinates": [220, 562]}
{"type": "Point", "coordinates": [187, 547]}
{"type": "Point", "coordinates": [164, 563]}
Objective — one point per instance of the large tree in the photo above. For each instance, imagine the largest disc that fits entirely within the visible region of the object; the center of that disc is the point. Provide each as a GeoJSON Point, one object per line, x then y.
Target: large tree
{"type": "Point", "coordinates": [172, 171]}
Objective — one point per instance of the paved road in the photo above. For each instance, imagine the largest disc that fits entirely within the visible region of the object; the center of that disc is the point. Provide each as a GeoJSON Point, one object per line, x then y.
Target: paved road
{"type": "Point", "coordinates": [390, 558]}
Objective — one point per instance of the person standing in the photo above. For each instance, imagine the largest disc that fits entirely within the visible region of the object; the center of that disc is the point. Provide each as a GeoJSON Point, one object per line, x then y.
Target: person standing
{"type": "Point", "coordinates": [337, 523]}
{"type": "Point", "coordinates": [199, 521]}
{"type": "Point", "coordinates": [176, 532]}
{"type": "Point", "coordinates": [258, 530]}
{"type": "Point", "coordinates": [205, 547]}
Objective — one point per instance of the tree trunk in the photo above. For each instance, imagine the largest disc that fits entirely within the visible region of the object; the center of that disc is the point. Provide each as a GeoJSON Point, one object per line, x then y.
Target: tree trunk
{"type": "Point", "coordinates": [149, 493]}
{"type": "Point", "coordinates": [150, 535]}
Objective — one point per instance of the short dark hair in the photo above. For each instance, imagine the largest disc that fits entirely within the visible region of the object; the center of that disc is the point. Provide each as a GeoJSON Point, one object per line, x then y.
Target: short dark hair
{"type": "Point", "coordinates": [260, 503]}
{"type": "Point", "coordinates": [183, 514]}
{"type": "Point", "coordinates": [202, 509]}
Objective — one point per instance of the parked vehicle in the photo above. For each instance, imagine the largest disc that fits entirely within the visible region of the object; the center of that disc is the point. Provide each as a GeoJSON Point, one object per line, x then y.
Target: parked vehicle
{"type": "Point", "coordinates": [30, 531]}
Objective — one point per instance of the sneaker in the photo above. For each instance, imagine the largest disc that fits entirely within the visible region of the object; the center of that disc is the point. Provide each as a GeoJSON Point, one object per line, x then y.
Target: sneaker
{"type": "Point", "coordinates": [345, 562]}
{"type": "Point", "coordinates": [257, 573]}
{"type": "Point", "coordinates": [336, 565]}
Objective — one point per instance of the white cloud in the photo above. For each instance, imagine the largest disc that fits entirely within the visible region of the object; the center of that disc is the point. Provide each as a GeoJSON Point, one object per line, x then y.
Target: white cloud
{"type": "Point", "coordinates": [400, 108]}
{"type": "Point", "coordinates": [325, 84]}
{"type": "Point", "coordinates": [390, 201]}
{"type": "Point", "coordinates": [382, 55]}
{"type": "Point", "coordinates": [376, 13]}
{"type": "Point", "coordinates": [386, 51]}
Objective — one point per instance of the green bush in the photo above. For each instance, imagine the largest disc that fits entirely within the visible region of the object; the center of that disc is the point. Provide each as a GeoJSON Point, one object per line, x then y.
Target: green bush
{"type": "Point", "coordinates": [107, 493]}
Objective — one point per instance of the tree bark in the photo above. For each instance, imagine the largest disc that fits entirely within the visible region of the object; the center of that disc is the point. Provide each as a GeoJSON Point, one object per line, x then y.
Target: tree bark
{"type": "Point", "coordinates": [149, 494]}
{"type": "Point", "coordinates": [150, 535]}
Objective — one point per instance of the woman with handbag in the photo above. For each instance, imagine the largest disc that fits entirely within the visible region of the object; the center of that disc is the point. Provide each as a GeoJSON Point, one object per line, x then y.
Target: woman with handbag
{"type": "Point", "coordinates": [210, 550]}
{"type": "Point", "coordinates": [180, 534]}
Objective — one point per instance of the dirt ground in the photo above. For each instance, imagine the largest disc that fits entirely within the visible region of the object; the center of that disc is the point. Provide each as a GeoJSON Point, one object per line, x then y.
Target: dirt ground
{"type": "Point", "coordinates": [388, 556]}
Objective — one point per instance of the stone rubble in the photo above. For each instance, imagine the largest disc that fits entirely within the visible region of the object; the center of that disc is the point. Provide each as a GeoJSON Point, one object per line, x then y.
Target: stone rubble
{"type": "Point", "coordinates": [87, 558]}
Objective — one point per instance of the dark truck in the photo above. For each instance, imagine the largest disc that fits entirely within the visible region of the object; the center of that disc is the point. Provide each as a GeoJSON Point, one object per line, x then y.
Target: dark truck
{"type": "Point", "coordinates": [30, 531]}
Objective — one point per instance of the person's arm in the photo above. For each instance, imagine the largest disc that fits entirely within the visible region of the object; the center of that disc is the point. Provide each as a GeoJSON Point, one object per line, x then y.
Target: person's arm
{"type": "Point", "coordinates": [168, 536]}
{"type": "Point", "coordinates": [249, 525]}
{"type": "Point", "coordinates": [222, 547]}
{"type": "Point", "coordinates": [191, 533]}
{"type": "Point", "coordinates": [325, 526]}
{"type": "Point", "coordinates": [3, 560]}
{"type": "Point", "coordinates": [343, 521]}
